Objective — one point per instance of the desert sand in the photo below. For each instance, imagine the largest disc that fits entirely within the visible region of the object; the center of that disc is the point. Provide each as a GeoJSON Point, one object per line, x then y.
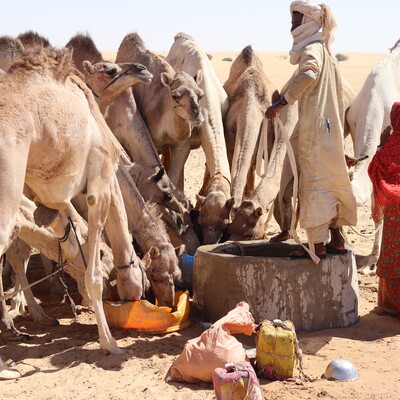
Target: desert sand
{"type": "Point", "coordinates": [65, 362]}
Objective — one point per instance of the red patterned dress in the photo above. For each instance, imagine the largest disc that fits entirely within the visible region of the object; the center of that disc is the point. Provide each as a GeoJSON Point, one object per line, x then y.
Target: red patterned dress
{"type": "Point", "coordinates": [384, 171]}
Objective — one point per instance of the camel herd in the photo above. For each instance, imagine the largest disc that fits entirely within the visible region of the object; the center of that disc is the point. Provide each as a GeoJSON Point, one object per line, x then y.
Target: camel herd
{"type": "Point", "coordinates": [93, 152]}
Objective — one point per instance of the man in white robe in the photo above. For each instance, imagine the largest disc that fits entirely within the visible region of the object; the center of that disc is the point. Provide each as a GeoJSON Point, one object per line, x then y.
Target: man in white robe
{"type": "Point", "coordinates": [325, 196]}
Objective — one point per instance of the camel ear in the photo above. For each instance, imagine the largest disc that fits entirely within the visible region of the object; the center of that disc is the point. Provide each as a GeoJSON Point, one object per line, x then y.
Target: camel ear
{"type": "Point", "coordinates": [232, 212]}
{"type": "Point", "coordinates": [258, 212]}
{"type": "Point", "coordinates": [146, 260]}
{"type": "Point", "coordinates": [166, 79]}
{"type": "Point", "coordinates": [154, 252]}
{"type": "Point", "coordinates": [159, 174]}
{"type": "Point", "coordinates": [229, 203]}
{"type": "Point", "coordinates": [88, 67]}
{"type": "Point", "coordinates": [179, 250]}
{"type": "Point", "coordinates": [199, 77]}
{"type": "Point", "coordinates": [200, 200]}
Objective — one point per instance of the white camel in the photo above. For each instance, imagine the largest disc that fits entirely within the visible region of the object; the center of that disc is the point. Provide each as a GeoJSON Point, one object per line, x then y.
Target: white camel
{"type": "Point", "coordinates": [214, 200]}
{"type": "Point", "coordinates": [368, 117]}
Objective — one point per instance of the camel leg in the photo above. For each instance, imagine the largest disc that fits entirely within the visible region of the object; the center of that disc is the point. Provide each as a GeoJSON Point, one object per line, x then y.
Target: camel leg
{"type": "Point", "coordinates": [55, 286]}
{"type": "Point", "coordinates": [19, 255]}
{"type": "Point", "coordinates": [102, 184]}
{"type": "Point", "coordinates": [179, 154]}
{"type": "Point", "coordinates": [9, 331]}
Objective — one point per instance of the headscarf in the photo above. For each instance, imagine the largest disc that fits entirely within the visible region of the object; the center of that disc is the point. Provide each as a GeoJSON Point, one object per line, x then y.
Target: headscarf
{"type": "Point", "coordinates": [315, 17]}
{"type": "Point", "coordinates": [384, 169]}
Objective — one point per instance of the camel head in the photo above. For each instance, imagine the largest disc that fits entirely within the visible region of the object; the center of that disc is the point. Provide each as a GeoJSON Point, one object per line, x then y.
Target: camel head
{"type": "Point", "coordinates": [247, 222]}
{"type": "Point", "coordinates": [213, 216]}
{"type": "Point", "coordinates": [108, 80]}
{"type": "Point", "coordinates": [162, 270]}
{"type": "Point", "coordinates": [185, 95]}
{"type": "Point", "coordinates": [128, 278]}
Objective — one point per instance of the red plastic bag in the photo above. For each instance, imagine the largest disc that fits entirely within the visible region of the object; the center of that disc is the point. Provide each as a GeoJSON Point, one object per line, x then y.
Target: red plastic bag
{"type": "Point", "coordinates": [214, 348]}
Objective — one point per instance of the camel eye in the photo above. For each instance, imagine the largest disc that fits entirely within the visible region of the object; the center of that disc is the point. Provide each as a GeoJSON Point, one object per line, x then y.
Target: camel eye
{"type": "Point", "coordinates": [176, 95]}
{"type": "Point", "coordinates": [111, 72]}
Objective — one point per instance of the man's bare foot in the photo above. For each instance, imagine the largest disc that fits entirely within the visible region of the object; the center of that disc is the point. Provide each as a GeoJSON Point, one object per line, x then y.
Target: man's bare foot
{"type": "Point", "coordinates": [280, 237]}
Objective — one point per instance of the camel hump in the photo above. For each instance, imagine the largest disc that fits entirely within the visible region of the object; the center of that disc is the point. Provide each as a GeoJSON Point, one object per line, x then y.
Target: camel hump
{"type": "Point", "coordinates": [184, 36]}
{"type": "Point", "coordinates": [247, 54]}
{"type": "Point", "coordinates": [83, 49]}
{"type": "Point", "coordinates": [33, 39]}
{"type": "Point", "coordinates": [135, 40]}
{"type": "Point", "coordinates": [11, 44]}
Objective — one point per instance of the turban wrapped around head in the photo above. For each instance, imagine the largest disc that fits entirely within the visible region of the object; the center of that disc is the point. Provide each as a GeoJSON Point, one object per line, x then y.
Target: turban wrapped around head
{"type": "Point", "coordinates": [316, 16]}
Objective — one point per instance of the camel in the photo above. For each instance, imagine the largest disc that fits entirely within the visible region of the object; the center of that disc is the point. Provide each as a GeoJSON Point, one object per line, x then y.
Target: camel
{"type": "Point", "coordinates": [30, 39]}
{"type": "Point", "coordinates": [214, 201]}
{"type": "Point", "coordinates": [250, 93]}
{"type": "Point", "coordinates": [172, 96]}
{"type": "Point", "coordinates": [59, 160]}
{"type": "Point", "coordinates": [10, 49]}
{"type": "Point", "coordinates": [108, 80]}
{"type": "Point", "coordinates": [126, 123]}
{"type": "Point", "coordinates": [368, 117]}
{"type": "Point", "coordinates": [162, 267]}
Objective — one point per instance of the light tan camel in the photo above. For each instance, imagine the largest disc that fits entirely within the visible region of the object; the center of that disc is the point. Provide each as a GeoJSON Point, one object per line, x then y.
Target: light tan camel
{"type": "Point", "coordinates": [250, 93]}
{"type": "Point", "coordinates": [214, 201]}
{"type": "Point", "coordinates": [64, 147]}
{"type": "Point", "coordinates": [172, 96]}
{"type": "Point", "coordinates": [125, 121]}
{"type": "Point", "coordinates": [109, 80]}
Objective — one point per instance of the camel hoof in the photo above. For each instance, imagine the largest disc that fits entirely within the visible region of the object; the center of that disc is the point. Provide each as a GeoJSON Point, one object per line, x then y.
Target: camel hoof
{"type": "Point", "coordinates": [44, 216]}
{"type": "Point", "coordinates": [369, 270]}
{"type": "Point", "coordinates": [9, 374]}
{"type": "Point", "coordinates": [115, 351]}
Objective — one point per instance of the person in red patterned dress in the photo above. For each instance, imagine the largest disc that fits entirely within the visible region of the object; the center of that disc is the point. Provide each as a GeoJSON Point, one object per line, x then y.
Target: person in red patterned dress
{"type": "Point", "coordinates": [384, 171]}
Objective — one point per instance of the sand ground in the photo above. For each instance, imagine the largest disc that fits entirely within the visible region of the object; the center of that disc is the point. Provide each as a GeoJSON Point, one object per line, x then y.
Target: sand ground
{"type": "Point", "coordinates": [65, 362]}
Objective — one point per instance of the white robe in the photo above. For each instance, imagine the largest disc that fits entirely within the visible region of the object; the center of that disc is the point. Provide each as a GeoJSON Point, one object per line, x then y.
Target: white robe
{"type": "Point", "coordinates": [325, 193]}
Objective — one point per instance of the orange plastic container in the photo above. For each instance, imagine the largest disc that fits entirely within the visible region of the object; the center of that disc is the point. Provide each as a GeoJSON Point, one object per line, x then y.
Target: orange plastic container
{"type": "Point", "coordinates": [143, 316]}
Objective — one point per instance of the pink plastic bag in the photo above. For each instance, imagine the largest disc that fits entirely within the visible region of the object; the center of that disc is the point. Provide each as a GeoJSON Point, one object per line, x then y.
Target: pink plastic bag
{"type": "Point", "coordinates": [214, 348]}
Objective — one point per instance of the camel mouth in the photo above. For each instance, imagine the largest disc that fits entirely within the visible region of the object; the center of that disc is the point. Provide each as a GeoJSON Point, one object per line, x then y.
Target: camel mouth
{"type": "Point", "coordinates": [136, 70]}
{"type": "Point", "coordinates": [145, 77]}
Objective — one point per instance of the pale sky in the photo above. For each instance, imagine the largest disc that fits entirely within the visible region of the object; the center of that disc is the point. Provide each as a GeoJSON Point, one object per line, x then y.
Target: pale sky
{"type": "Point", "coordinates": [216, 25]}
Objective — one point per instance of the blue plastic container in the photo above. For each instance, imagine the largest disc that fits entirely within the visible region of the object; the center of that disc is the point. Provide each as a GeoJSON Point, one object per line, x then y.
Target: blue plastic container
{"type": "Point", "coordinates": [186, 265]}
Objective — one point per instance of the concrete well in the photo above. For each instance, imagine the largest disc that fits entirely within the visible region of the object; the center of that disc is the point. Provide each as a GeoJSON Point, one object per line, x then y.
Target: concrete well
{"type": "Point", "coordinates": [262, 274]}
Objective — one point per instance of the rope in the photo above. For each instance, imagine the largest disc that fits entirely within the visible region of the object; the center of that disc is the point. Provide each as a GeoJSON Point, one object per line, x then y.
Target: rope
{"type": "Point", "coordinates": [299, 353]}
{"type": "Point", "coordinates": [293, 165]}
{"type": "Point", "coordinates": [376, 230]}
{"type": "Point", "coordinates": [8, 296]}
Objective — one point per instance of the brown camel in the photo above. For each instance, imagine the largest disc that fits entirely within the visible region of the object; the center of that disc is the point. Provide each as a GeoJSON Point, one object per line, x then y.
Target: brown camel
{"type": "Point", "coordinates": [250, 93]}
{"type": "Point", "coordinates": [125, 121]}
{"type": "Point", "coordinates": [50, 119]}
{"type": "Point", "coordinates": [172, 96]}
{"type": "Point", "coordinates": [31, 39]}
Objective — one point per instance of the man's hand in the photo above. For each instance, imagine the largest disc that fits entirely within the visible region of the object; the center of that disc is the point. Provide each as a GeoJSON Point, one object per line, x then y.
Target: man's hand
{"type": "Point", "coordinates": [275, 108]}
{"type": "Point", "coordinates": [350, 161]}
